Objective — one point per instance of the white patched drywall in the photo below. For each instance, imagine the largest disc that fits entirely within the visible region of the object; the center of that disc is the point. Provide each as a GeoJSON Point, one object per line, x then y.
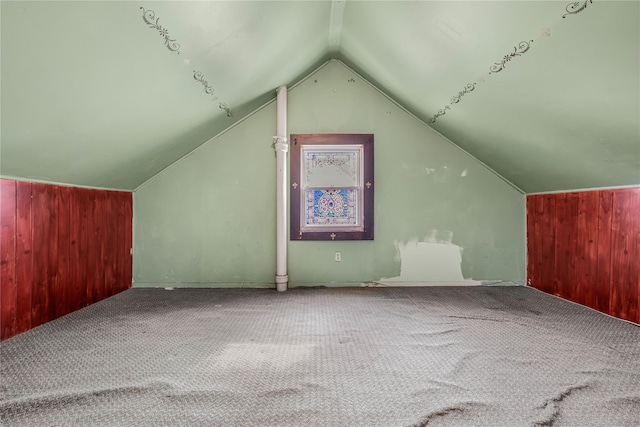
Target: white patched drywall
{"type": "Point", "coordinates": [433, 261]}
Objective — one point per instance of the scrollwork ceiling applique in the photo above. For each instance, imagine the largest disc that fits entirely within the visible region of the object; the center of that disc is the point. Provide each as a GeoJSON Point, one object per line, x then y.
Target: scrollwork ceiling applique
{"type": "Point", "coordinates": [199, 77]}
{"type": "Point", "coordinates": [576, 7]}
{"type": "Point", "coordinates": [518, 50]}
{"type": "Point", "coordinates": [522, 47]}
{"type": "Point", "coordinates": [441, 112]}
{"type": "Point", "coordinates": [149, 17]}
{"type": "Point", "coordinates": [226, 109]}
{"type": "Point", "coordinates": [468, 88]}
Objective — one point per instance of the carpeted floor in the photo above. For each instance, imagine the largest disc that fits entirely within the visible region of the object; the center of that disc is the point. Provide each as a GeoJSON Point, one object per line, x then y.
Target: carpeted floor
{"type": "Point", "coordinates": [481, 356]}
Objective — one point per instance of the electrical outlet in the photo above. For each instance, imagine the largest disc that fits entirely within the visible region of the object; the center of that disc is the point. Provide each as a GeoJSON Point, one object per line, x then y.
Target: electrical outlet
{"type": "Point", "coordinates": [338, 257]}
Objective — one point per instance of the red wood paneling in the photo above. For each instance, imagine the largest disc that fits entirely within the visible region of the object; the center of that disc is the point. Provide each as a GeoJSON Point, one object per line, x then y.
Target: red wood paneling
{"type": "Point", "coordinates": [24, 256]}
{"type": "Point", "coordinates": [8, 290]}
{"type": "Point", "coordinates": [589, 248]}
{"type": "Point", "coordinates": [62, 249]}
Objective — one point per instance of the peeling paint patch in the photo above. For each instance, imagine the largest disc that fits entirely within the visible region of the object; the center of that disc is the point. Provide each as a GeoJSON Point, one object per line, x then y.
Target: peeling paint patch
{"type": "Point", "coordinates": [436, 261]}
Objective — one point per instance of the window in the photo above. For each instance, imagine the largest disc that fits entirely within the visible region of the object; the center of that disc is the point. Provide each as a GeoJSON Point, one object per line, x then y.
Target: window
{"type": "Point", "coordinates": [332, 187]}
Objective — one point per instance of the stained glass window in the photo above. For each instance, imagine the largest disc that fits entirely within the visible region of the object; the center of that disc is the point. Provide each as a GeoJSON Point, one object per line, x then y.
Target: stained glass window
{"type": "Point", "coordinates": [331, 207]}
{"type": "Point", "coordinates": [331, 187]}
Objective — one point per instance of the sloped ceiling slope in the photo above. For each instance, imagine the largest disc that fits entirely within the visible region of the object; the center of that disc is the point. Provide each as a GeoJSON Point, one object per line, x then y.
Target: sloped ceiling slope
{"type": "Point", "coordinates": [106, 94]}
{"type": "Point", "coordinates": [109, 93]}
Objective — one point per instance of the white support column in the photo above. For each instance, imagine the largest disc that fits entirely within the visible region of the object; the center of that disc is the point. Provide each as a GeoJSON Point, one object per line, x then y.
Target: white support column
{"type": "Point", "coordinates": [282, 148]}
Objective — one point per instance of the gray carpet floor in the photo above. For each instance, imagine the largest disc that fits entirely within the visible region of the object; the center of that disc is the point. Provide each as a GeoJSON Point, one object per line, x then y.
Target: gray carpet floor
{"type": "Point", "coordinates": [463, 356]}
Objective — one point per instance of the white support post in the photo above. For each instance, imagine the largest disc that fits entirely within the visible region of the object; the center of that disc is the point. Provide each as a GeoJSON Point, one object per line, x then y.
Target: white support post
{"type": "Point", "coordinates": [282, 148]}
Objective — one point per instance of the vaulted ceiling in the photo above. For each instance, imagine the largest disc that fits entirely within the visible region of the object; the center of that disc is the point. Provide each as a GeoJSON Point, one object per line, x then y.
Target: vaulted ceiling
{"type": "Point", "coordinates": [546, 93]}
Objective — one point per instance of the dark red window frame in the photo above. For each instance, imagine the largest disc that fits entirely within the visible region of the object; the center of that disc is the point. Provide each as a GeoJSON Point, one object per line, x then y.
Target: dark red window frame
{"type": "Point", "coordinates": [297, 140]}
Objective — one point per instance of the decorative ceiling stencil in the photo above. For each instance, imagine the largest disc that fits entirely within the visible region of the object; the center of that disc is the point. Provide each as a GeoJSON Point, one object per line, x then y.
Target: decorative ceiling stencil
{"type": "Point", "coordinates": [226, 109]}
{"type": "Point", "coordinates": [468, 88]}
{"type": "Point", "coordinates": [199, 77]}
{"type": "Point", "coordinates": [519, 50]}
{"type": "Point", "coordinates": [576, 7]}
{"type": "Point", "coordinates": [455, 99]}
{"type": "Point", "coordinates": [441, 112]}
{"type": "Point", "coordinates": [149, 17]}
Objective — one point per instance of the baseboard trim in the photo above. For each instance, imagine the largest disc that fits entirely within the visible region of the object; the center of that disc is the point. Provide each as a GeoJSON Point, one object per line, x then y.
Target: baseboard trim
{"type": "Point", "coordinates": [213, 285]}
{"type": "Point", "coordinates": [292, 285]}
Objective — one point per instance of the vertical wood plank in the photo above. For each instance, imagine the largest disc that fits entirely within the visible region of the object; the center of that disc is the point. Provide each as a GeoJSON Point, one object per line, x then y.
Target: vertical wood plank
{"type": "Point", "coordinates": [53, 289]}
{"type": "Point", "coordinates": [121, 243]}
{"type": "Point", "coordinates": [531, 255]}
{"type": "Point", "coordinates": [603, 267]}
{"type": "Point", "coordinates": [586, 248]}
{"type": "Point", "coordinates": [624, 295]}
{"type": "Point", "coordinates": [24, 255]}
{"type": "Point", "coordinates": [566, 231]}
{"type": "Point", "coordinates": [560, 251]}
{"type": "Point", "coordinates": [537, 240]}
{"type": "Point", "coordinates": [45, 243]}
{"type": "Point", "coordinates": [573, 200]}
{"type": "Point", "coordinates": [101, 221]}
{"type": "Point", "coordinates": [86, 236]}
{"type": "Point", "coordinates": [8, 289]}
{"type": "Point", "coordinates": [636, 255]}
{"type": "Point", "coordinates": [128, 228]}
{"type": "Point", "coordinates": [40, 216]}
{"type": "Point", "coordinates": [84, 200]}
{"type": "Point", "coordinates": [92, 251]}
{"type": "Point", "coordinates": [110, 242]}
{"type": "Point", "coordinates": [635, 265]}
{"type": "Point", "coordinates": [548, 244]}
{"type": "Point", "coordinates": [63, 292]}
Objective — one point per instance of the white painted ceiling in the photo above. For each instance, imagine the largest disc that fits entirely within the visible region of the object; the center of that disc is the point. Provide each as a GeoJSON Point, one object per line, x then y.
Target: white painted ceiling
{"type": "Point", "coordinates": [92, 94]}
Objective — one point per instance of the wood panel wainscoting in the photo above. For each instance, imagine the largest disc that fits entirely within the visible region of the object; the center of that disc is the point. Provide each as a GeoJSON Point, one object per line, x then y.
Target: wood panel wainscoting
{"type": "Point", "coordinates": [585, 247]}
{"type": "Point", "coordinates": [62, 248]}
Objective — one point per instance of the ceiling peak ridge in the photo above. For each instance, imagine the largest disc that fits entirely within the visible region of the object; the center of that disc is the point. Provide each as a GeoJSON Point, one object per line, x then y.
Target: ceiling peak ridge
{"type": "Point", "coordinates": [335, 24]}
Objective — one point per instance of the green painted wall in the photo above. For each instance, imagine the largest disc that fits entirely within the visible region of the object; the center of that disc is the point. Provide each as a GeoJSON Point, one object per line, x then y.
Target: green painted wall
{"type": "Point", "coordinates": [441, 216]}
